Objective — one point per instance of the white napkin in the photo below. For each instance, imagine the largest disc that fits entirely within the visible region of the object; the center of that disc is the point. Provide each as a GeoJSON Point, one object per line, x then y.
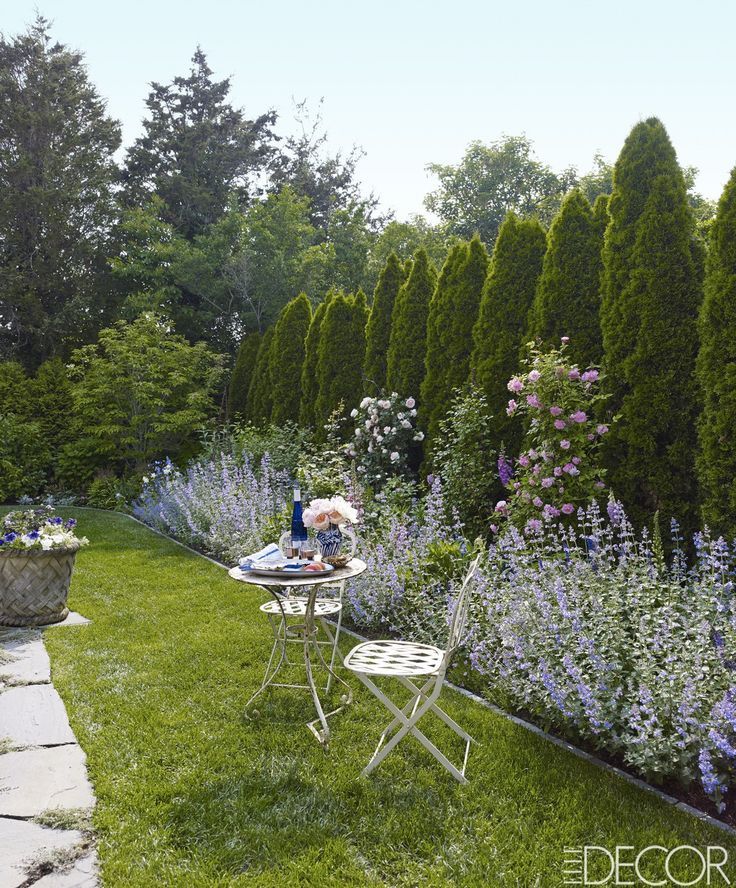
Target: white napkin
{"type": "Point", "coordinates": [271, 552]}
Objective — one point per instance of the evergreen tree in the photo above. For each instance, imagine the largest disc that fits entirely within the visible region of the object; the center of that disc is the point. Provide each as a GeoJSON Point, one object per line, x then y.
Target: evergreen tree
{"type": "Point", "coordinates": [408, 341]}
{"type": "Point", "coordinates": [378, 330]}
{"type": "Point", "coordinates": [502, 320]}
{"type": "Point", "coordinates": [567, 302]}
{"type": "Point", "coordinates": [651, 296]}
{"type": "Point", "coordinates": [260, 394]}
{"type": "Point", "coordinates": [197, 150]}
{"type": "Point", "coordinates": [601, 217]}
{"type": "Point", "coordinates": [243, 374]}
{"type": "Point", "coordinates": [452, 316]}
{"type": "Point", "coordinates": [57, 206]}
{"type": "Point", "coordinates": [716, 369]}
{"type": "Point", "coordinates": [287, 359]}
{"type": "Point", "coordinates": [310, 383]}
{"type": "Point", "coordinates": [340, 355]}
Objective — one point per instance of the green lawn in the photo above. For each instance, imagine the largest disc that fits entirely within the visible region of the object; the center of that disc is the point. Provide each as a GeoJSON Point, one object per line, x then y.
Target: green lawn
{"type": "Point", "coordinates": [189, 794]}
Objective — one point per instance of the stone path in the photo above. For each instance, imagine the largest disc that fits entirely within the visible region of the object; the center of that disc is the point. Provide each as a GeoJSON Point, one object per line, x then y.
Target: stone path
{"type": "Point", "coordinates": [43, 774]}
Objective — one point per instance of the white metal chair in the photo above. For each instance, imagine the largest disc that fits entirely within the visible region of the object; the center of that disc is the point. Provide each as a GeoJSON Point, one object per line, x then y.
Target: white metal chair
{"type": "Point", "coordinates": [404, 661]}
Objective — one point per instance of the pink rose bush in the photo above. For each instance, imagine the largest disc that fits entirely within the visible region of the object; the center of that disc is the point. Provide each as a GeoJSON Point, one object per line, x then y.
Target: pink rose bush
{"type": "Point", "coordinates": [557, 470]}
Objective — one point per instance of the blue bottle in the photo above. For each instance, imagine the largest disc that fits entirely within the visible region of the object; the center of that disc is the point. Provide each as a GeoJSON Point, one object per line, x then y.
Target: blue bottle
{"type": "Point", "coordinates": [298, 530]}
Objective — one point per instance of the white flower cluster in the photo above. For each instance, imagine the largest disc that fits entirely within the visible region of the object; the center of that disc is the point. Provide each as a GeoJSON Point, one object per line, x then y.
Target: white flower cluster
{"type": "Point", "coordinates": [320, 513]}
{"type": "Point", "coordinates": [384, 427]}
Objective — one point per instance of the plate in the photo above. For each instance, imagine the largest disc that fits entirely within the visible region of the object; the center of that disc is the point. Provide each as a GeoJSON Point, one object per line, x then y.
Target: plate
{"type": "Point", "coordinates": [287, 569]}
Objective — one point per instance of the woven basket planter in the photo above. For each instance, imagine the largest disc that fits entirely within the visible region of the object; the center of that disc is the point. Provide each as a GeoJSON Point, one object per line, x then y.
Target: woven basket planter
{"type": "Point", "coordinates": [34, 585]}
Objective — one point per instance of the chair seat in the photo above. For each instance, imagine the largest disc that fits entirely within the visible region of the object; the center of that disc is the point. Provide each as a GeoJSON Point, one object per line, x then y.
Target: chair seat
{"type": "Point", "coordinates": [297, 607]}
{"type": "Point", "coordinates": [394, 658]}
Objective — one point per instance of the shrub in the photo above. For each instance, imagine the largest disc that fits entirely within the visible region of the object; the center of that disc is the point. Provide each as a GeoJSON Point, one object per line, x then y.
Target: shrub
{"type": "Point", "coordinates": [341, 354]}
{"type": "Point", "coordinates": [115, 494]}
{"type": "Point", "coordinates": [557, 470]}
{"type": "Point", "coordinates": [25, 458]}
{"type": "Point", "coordinates": [286, 359]}
{"type": "Point", "coordinates": [243, 374]}
{"type": "Point", "coordinates": [465, 460]}
{"type": "Point", "coordinates": [260, 391]}
{"type": "Point", "coordinates": [378, 329]}
{"type": "Point", "coordinates": [383, 436]}
{"type": "Point", "coordinates": [310, 383]}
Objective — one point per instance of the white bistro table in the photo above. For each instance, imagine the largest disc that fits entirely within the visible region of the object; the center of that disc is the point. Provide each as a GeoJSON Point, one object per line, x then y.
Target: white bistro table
{"type": "Point", "coordinates": [289, 603]}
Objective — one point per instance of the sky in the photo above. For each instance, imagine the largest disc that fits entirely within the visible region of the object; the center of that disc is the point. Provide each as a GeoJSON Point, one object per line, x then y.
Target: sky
{"type": "Point", "coordinates": [413, 83]}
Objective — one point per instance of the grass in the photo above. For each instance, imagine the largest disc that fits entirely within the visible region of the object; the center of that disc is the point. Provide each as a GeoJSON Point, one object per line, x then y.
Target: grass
{"type": "Point", "coordinates": [190, 794]}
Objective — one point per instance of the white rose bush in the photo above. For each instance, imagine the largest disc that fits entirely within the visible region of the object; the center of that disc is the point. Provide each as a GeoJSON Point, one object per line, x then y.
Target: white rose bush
{"type": "Point", "coordinates": [384, 434]}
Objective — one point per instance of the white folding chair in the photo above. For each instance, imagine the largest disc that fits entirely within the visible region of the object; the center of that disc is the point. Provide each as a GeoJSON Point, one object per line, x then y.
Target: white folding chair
{"type": "Point", "coordinates": [404, 661]}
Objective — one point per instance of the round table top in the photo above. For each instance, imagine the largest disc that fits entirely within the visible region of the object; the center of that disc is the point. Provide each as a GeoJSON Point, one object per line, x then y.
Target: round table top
{"type": "Point", "coordinates": [353, 568]}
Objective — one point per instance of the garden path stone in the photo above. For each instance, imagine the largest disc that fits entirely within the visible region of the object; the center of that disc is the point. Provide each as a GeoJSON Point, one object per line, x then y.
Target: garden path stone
{"type": "Point", "coordinates": [21, 844]}
{"type": "Point", "coordinates": [23, 658]}
{"type": "Point", "coordinates": [37, 780]}
{"type": "Point", "coordinates": [71, 619]}
{"type": "Point", "coordinates": [34, 715]}
{"type": "Point", "coordinates": [82, 875]}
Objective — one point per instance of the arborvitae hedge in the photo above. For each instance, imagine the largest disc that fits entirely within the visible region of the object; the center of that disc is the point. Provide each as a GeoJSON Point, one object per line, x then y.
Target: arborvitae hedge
{"type": "Point", "coordinates": [243, 374]}
{"type": "Point", "coordinates": [567, 302]}
{"type": "Point", "coordinates": [340, 355]}
{"type": "Point", "coordinates": [601, 217]}
{"type": "Point", "coordinates": [310, 383]}
{"type": "Point", "coordinates": [452, 316]}
{"type": "Point", "coordinates": [502, 321]}
{"type": "Point", "coordinates": [716, 370]}
{"type": "Point", "coordinates": [287, 359]}
{"type": "Point", "coordinates": [408, 342]}
{"type": "Point", "coordinates": [378, 329]}
{"type": "Point", "coordinates": [652, 293]}
{"type": "Point", "coordinates": [260, 400]}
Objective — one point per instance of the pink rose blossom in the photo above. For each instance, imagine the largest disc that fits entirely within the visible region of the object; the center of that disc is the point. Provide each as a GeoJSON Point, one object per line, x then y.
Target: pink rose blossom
{"type": "Point", "coordinates": [576, 460]}
{"type": "Point", "coordinates": [599, 485]}
{"type": "Point", "coordinates": [547, 482]}
{"type": "Point", "coordinates": [565, 444]}
{"type": "Point", "coordinates": [511, 409]}
{"type": "Point", "coordinates": [565, 340]}
{"type": "Point", "coordinates": [524, 460]}
{"type": "Point", "coordinates": [560, 424]}
{"type": "Point", "coordinates": [537, 502]}
{"type": "Point", "coordinates": [568, 508]}
{"type": "Point", "coordinates": [501, 506]}
{"type": "Point", "coordinates": [551, 511]}
{"type": "Point", "coordinates": [534, 375]}
{"type": "Point", "coordinates": [579, 416]}
{"type": "Point", "coordinates": [557, 471]}
{"type": "Point", "coordinates": [590, 437]}
{"type": "Point", "coordinates": [602, 429]}
{"type": "Point", "coordinates": [410, 402]}
{"type": "Point", "coordinates": [515, 385]}
{"type": "Point", "coordinates": [574, 374]}
{"type": "Point", "coordinates": [555, 411]}
{"type": "Point", "coordinates": [494, 528]}
{"type": "Point", "coordinates": [533, 401]}
{"type": "Point", "coordinates": [590, 376]}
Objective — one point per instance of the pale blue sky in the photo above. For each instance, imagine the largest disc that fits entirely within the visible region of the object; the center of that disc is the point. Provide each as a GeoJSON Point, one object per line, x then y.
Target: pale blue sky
{"type": "Point", "coordinates": [415, 82]}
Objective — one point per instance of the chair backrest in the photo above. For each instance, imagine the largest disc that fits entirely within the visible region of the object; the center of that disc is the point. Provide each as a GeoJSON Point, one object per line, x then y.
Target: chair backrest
{"type": "Point", "coordinates": [460, 614]}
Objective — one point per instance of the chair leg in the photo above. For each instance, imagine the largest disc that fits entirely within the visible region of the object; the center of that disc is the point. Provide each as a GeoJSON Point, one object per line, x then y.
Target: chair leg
{"type": "Point", "coordinates": [440, 713]}
{"type": "Point", "coordinates": [409, 727]}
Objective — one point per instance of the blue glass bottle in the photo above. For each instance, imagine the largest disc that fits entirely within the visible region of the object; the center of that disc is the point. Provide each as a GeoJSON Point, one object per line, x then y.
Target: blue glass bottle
{"type": "Point", "coordinates": [298, 530]}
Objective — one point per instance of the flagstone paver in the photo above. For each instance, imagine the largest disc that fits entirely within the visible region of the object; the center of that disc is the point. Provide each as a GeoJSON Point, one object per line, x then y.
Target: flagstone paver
{"type": "Point", "coordinates": [37, 780]}
{"type": "Point", "coordinates": [82, 875]}
{"type": "Point", "coordinates": [34, 715]}
{"type": "Point", "coordinates": [44, 770]}
{"type": "Point", "coordinates": [22, 843]}
{"type": "Point", "coordinates": [23, 658]}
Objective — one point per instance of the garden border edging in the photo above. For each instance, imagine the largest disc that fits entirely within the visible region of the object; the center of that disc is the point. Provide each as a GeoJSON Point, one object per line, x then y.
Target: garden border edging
{"type": "Point", "coordinates": [528, 726]}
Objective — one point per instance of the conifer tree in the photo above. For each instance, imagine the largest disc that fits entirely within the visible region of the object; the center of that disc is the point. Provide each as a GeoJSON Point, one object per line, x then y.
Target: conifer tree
{"type": "Point", "coordinates": [260, 400]}
{"type": "Point", "coordinates": [378, 330]}
{"type": "Point", "coordinates": [502, 320]}
{"type": "Point", "coordinates": [716, 370]}
{"type": "Point", "coordinates": [651, 296]}
{"type": "Point", "coordinates": [287, 359]}
{"type": "Point", "coordinates": [243, 374]}
{"type": "Point", "coordinates": [310, 383]}
{"type": "Point", "coordinates": [567, 302]}
{"type": "Point", "coordinates": [340, 355]}
{"type": "Point", "coordinates": [452, 316]}
{"type": "Point", "coordinates": [408, 341]}
{"type": "Point", "coordinates": [601, 217]}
